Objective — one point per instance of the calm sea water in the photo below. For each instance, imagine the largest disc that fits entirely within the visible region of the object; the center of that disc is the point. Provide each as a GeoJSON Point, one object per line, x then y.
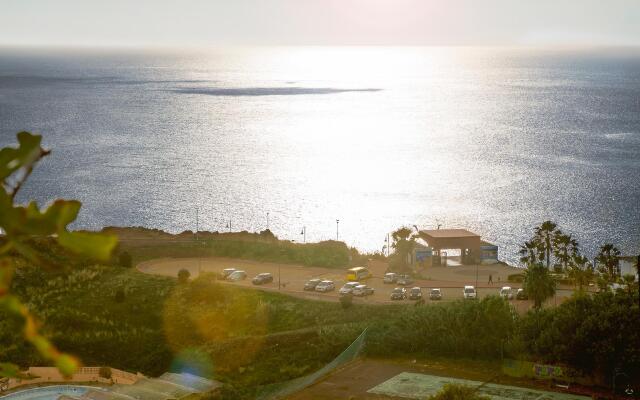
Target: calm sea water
{"type": "Point", "coordinates": [494, 140]}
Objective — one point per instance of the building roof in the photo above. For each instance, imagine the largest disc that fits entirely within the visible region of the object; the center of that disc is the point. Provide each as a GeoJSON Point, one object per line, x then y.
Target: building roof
{"type": "Point", "coordinates": [448, 233]}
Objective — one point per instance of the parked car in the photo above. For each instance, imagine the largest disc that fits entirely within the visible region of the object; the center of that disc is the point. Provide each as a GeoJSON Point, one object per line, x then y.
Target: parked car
{"type": "Point", "coordinates": [262, 278]}
{"type": "Point", "coordinates": [469, 292]}
{"type": "Point", "coordinates": [399, 293]}
{"type": "Point", "coordinates": [311, 284]}
{"type": "Point", "coordinates": [415, 293]}
{"type": "Point", "coordinates": [348, 288]}
{"type": "Point", "coordinates": [325, 286]}
{"type": "Point", "coordinates": [435, 294]}
{"type": "Point", "coordinates": [404, 280]}
{"type": "Point", "coordinates": [521, 295]}
{"type": "Point", "coordinates": [237, 275]}
{"type": "Point", "coordinates": [228, 271]}
{"type": "Point", "coordinates": [506, 293]}
{"type": "Point", "coordinates": [390, 277]}
{"type": "Point", "coordinates": [363, 290]}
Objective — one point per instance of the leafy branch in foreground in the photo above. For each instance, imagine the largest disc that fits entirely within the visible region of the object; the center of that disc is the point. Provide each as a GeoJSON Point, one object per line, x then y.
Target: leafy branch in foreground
{"type": "Point", "coordinates": [21, 224]}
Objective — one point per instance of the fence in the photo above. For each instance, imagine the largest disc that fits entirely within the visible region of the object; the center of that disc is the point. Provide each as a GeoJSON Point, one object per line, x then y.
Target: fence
{"type": "Point", "coordinates": [280, 390]}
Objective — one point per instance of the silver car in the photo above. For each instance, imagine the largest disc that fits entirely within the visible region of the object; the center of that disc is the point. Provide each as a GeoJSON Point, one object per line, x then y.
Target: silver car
{"type": "Point", "coordinates": [325, 286]}
{"type": "Point", "coordinates": [348, 287]}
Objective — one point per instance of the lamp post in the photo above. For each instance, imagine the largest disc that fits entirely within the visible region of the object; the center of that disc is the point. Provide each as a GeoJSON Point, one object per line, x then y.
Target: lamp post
{"type": "Point", "coordinates": [337, 224]}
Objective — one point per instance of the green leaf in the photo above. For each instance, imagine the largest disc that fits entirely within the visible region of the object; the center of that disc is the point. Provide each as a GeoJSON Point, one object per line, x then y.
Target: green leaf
{"type": "Point", "coordinates": [28, 152]}
{"type": "Point", "coordinates": [95, 245]}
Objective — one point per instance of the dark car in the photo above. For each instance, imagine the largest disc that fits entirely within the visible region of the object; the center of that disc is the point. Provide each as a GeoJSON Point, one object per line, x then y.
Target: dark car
{"type": "Point", "coordinates": [404, 280]}
{"type": "Point", "coordinates": [415, 293]}
{"type": "Point", "coordinates": [399, 293]}
{"type": "Point", "coordinates": [521, 295]}
{"type": "Point", "coordinates": [311, 284]}
{"type": "Point", "coordinates": [262, 278]}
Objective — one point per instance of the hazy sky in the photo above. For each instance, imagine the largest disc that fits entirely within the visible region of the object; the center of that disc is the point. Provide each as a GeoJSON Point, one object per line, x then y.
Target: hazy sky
{"type": "Point", "coordinates": [332, 22]}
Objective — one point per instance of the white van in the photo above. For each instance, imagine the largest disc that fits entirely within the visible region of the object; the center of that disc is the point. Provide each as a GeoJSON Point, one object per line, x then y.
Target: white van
{"type": "Point", "coordinates": [506, 293]}
{"type": "Point", "coordinates": [469, 292]}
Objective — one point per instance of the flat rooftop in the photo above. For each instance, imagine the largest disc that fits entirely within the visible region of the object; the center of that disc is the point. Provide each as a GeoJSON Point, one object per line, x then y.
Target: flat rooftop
{"type": "Point", "coordinates": [448, 233]}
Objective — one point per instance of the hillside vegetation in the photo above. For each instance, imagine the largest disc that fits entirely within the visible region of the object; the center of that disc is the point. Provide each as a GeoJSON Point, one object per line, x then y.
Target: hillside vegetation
{"type": "Point", "coordinates": [109, 315]}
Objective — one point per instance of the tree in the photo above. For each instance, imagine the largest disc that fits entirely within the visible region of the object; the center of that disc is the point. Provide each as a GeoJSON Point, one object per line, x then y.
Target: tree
{"type": "Point", "coordinates": [22, 224]}
{"type": "Point", "coordinates": [124, 259]}
{"type": "Point", "coordinates": [545, 238]}
{"type": "Point", "coordinates": [403, 244]}
{"type": "Point", "coordinates": [565, 249]}
{"type": "Point", "coordinates": [607, 260]}
{"type": "Point", "coordinates": [452, 391]}
{"type": "Point", "coordinates": [184, 275]}
{"type": "Point", "coordinates": [530, 253]}
{"type": "Point", "coordinates": [580, 271]}
{"type": "Point", "coordinates": [538, 284]}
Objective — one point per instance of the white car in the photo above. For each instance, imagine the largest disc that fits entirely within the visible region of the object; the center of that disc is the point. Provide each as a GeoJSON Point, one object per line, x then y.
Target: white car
{"type": "Point", "coordinates": [228, 271]}
{"type": "Point", "coordinates": [362, 290]}
{"type": "Point", "coordinates": [390, 277]}
{"type": "Point", "coordinates": [237, 275]}
{"type": "Point", "coordinates": [325, 286]}
{"type": "Point", "coordinates": [506, 293]}
{"type": "Point", "coordinates": [348, 288]}
{"type": "Point", "coordinates": [469, 292]}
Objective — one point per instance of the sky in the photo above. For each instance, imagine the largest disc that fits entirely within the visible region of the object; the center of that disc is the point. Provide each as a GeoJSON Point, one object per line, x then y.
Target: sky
{"type": "Point", "coordinates": [170, 23]}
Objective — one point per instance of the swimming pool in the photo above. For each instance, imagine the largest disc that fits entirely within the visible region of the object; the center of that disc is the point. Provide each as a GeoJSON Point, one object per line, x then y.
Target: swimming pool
{"type": "Point", "coordinates": [48, 392]}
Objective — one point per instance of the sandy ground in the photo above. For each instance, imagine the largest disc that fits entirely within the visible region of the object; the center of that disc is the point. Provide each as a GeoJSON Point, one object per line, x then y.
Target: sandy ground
{"type": "Point", "coordinates": [450, 280]}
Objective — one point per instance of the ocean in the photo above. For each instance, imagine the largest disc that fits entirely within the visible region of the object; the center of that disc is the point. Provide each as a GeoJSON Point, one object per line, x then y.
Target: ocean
{"type": "Point", "coordinates": [495, 140]}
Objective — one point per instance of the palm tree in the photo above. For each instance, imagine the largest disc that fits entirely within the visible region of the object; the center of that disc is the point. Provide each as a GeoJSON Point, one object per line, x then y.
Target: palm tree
{"type": "Point", "coordinates": [565, 249]}
{"type": "Point", "coordinates": [403, 244]}
{"type": "Point", "coordinates": [580, 271]}
{"type": "Point", "coordinates": [538, 284]}
{"type": "Point", "coordinates": [530, 253]}
{"type": "Point", "coordinates": [608, 258]}
{"type": "Point", "coordinates": [545, 237]}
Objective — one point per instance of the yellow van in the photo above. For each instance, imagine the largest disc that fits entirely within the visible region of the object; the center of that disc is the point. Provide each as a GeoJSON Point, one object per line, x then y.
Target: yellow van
{"type": "Point", "coordinates": [358, 274]}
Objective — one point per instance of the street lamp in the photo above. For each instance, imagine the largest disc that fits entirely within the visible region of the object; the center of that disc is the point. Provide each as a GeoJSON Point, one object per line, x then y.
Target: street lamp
{"type": "Point", "coordinates": [337, 224]}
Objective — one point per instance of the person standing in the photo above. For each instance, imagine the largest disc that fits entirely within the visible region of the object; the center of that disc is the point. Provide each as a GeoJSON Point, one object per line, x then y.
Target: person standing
{"type": "Point", "coordinates": [490, 280]}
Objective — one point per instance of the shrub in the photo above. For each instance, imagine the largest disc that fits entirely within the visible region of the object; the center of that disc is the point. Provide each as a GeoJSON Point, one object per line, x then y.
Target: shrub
{"type": "Point", "coordinates": [452, 391]}
{"type": "Point", "coordinates": [346, 301]}
{"type": "Point", "coordinates": [124, 259]}
{"type": "Point", "coordinates": [184, 275]}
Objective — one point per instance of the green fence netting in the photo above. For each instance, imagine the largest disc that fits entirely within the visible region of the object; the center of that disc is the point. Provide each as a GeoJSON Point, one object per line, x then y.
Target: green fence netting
{"type": "Point", "coordinates": [281, 390]}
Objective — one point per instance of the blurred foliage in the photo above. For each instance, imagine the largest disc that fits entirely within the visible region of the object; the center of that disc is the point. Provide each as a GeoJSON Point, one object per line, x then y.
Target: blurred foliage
{"type": "Point", "coordinates": [21, 224]}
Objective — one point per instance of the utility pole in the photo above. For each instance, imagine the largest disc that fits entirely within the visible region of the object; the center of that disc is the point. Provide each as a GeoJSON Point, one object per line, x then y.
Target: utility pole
{"type": "Point", "coordinates": [267, 220]}
{"type": "Point", "coordinates": [337, 224]}
{"type": "Point", "coordinates": [304, 234]}
{"type": "Point", "coordinates": [197, 224]}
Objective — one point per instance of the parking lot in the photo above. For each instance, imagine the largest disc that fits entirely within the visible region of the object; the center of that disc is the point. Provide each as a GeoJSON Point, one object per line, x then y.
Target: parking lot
{"type": "Point", "coordinates": [290, 279]}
